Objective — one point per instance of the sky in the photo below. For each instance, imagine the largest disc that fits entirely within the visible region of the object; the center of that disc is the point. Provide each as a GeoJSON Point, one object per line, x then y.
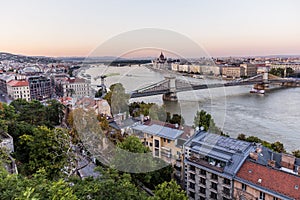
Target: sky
{"type": "Point", "coordinates": [221, 28]}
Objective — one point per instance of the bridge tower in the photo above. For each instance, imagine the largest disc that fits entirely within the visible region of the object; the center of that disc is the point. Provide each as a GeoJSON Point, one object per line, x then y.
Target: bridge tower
{"type": "Point", "coordinates": [103, 86]}
{"type": "Point", "coordinates": [265, 82]}
{"type": "Point", "coordinates": [171, 95]}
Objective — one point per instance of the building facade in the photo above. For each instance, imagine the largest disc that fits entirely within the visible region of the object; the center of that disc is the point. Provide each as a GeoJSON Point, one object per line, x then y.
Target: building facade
{"type": "Point", "coordinates": [233, 71]}
{"type": "Point", "coordinates": [250, 69]}
{"type": "Point", "coordinates": [267, 175]}
{"type": "Point", "coordinates": [40, 88]}
{"type": "Point", "coordinates": [161, 140]}
{"type": "Point", "coordinates": [210, 164]}
{"type": "Point", "coordinates": [18, 89]}
{"type": "Point", "coordinates": [4, 79]}
{"type": "Point", "coordinates": [71, 86]}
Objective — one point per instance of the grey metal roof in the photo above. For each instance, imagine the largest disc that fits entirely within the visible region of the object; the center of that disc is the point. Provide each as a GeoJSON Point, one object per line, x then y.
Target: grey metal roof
{"type": "Point", "coordinates": [139, 127]}
{"type": "Point", "coordinates": [229, 150]}
{"type": "Point", "coordinates": [162, 131]}
{"type": "Point", "coordinates": [212, 153]}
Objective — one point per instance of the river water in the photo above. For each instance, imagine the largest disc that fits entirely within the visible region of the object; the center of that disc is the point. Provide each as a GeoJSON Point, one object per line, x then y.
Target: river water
{"type": "Point", "coordinates": [274, 116]}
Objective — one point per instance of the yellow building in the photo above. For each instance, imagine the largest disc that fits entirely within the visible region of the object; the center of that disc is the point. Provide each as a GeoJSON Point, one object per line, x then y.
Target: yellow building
{"type": "Point", "coordinates": [164, 140]}
{"type": "Point", "coordinates": [233, 71]}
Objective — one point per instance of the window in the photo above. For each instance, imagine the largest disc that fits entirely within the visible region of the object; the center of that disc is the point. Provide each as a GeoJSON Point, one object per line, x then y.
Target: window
{"type": "Point", "coordinates": [262, 196]}
{"type": "Point", "coordinates": [192, 194]}
{"type": "Point", "coordinates": [150, 144]}
{"type": "Point", "coordinates": [192, 168]}
{"type": "Point", "coordinates": [214, 177]}
{"type": "Point", "coordinates": [203, 181]}
{"type": "Point", "coordinates": [214, 186]}
{"type": "Point", "coordinates": [226, 181]}
{"type": "Point", "coordinates": [169, 141]}
{"type": "Point", "coordinates": [192, 185]}
{"type": "Point", "coordinates": [275, 198]}
{"type": "Point", "coordinates": [202, 190]}
{"type": "Point", "coordinates": [226, 191]}
{"type": "Point", "coordinates": [213, 195]}
{"type": "Point", "coordinates": [164, 139]}
{"type": "Point", "coordinates": [202, 172]}
{"type": "Point", "coordinates": [192, 176]}
{"type": "Point", "coordinates": [244, 187]}
{"type": "Point", "coordinates": [156, 142]}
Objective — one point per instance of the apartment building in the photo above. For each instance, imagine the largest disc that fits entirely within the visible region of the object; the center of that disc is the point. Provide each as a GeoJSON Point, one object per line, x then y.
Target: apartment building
{"type": "Point", "coordinates": [71, 86]}
{"type": "Point", "coordinates": [250, 69]}
{"type": "Point", "coordinates": [18, 89]}
{"type": "Point", "coordinates": [4, 79]}
{"type": "Point", "coordinates": [40, 87]}
{"type": "Point", "coordinates": [267, 175]}
{"type": "Point", "coordinates": [210, 164]}
{"type": "Point", "coordinates": [233, 71]}
{"type": "Point", "coordinates": [165, 140]}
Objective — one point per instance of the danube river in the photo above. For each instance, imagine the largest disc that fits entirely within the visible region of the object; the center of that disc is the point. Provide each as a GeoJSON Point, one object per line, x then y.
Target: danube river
{"type": "Point", "coordinates": [274, 116]}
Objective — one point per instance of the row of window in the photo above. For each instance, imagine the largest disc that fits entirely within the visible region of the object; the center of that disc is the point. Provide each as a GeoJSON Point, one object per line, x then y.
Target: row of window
{"type": "Point", "coordinates": [20, 88]}
{"type": "Point", "coordinates": [213, 176]}
{"type": "Point", "coordinates": [212, 195]}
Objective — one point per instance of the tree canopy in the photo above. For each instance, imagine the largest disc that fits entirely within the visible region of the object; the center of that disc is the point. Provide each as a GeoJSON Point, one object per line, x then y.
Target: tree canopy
{"type": "Point", "coordinates": [117, 98]}
{"type": "Point", "coordinates": [205, 120]}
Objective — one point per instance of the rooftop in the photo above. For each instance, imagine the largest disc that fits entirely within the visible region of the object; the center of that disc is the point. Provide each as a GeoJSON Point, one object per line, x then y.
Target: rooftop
{"type": "Point", "coordinates": [158, 130]}
{"type": "Point", "coordinates": [16, 83]}
{"type": "Point", "coordinates": [270, 179]}
{"type": "Point", "coordinates": [231, 152]}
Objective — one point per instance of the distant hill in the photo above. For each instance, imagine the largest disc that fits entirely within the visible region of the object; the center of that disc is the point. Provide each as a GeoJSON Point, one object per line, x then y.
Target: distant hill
{"type": "Point", "coordinates": [27, 59]}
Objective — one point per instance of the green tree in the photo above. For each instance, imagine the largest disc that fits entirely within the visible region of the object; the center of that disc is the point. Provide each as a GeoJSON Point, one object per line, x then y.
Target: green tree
{"type": "Point", "coordinates": [139, 161]}
{"type": "Point", "coordinates": [55, 112]}
{"type": "Point", "coordinates": [47, 149]}
{"type": "Point", "coordinates": [278, 147]}
{"type": "Point", "coordinates": [169, 190]}
{"type": "Point", "coordinates": [289, 71]}
{"type": "Point", "coordinates": [277, 72]}
{"type": "Point", "coordinates": [38, 186]}
{"type": "Point", "coordinates": [296, 153]}
{"type": "Point", "coordinates": [177, 119]}
{"type": "Point", "coordinates": [205, 120]}
{"type": "Point", "coordinates": [241, 137]}
{"type": "Point", "coordinates": [117, 98]}
{"type": "Point", "coordinates": [32, 112]}
{"type": "Point", "coordinates": [110, 186]}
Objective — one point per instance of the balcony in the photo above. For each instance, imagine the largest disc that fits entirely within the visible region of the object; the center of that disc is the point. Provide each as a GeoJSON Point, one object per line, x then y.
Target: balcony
{"type": "Point", "coordinates": [205, 164]}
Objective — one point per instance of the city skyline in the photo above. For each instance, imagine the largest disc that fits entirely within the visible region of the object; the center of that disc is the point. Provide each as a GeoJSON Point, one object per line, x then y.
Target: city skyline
{"type": "Point", "coordinates": [230, 28]}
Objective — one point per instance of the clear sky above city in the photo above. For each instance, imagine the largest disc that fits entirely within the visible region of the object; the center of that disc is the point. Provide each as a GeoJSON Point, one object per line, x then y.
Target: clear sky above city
{"type": "Point", "coordinates": [223, 28]}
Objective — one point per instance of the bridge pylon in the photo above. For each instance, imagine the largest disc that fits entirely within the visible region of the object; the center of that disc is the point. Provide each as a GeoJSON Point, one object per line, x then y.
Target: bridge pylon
{"type": "Point", "coordinates": [171, 95]}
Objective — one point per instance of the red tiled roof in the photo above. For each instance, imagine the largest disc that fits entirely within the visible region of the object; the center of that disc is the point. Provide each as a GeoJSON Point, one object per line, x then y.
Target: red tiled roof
{"type": "Point", "coordinates": [16, 83]}
{"type": "Point", "coordinates": [272, 179]}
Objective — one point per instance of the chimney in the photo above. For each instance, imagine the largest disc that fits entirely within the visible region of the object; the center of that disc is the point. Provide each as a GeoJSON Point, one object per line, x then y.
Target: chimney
{"type": "Point", "coordinates": [288, 161]}
{"type": "Point", "coordinates": [253, 155]}
{"type": "Point", "coordinates": [271, 163]}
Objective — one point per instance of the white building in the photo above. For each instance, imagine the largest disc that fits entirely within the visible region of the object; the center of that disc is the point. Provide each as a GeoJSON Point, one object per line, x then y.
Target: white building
{"type": "Point", "coordinates": [18, 89]}
{"type": "Point", "coordinates": [70, 86]}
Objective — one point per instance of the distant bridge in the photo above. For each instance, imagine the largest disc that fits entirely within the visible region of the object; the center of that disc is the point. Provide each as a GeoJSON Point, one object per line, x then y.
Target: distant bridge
{"type": "Point", "coordinates": [170, 86]}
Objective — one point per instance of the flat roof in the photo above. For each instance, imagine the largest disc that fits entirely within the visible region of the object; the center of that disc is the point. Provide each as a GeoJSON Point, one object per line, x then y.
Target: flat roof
{"type": "Point", "coordinates": [162, 131]}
